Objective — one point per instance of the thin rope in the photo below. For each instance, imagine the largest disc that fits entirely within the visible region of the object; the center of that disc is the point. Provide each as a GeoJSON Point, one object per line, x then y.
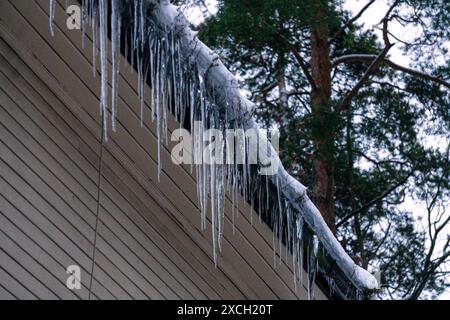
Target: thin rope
{"type": "Point", "coordinates": [99, 180]}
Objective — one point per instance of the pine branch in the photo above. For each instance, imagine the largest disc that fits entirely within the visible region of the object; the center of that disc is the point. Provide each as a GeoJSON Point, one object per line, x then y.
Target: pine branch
{"type": "Point", "coordinates": [373, 67]}
{"type": "Point", "coordinates": [375, 64]}
{"type": "Point", "coordinates": [298, 57]}
{"type": "Point", "coordinates": [350, 22]}
{"type": "Point", "coordinates": [165, 14]}
{"type": "Point", "coordinates": [375, 200]}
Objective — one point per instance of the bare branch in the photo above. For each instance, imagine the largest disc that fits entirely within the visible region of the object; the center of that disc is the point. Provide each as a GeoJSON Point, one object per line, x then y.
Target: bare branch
{"type": "Point", "coordinates": [298, 93]}
{"type": "Point", "coordinates": [385, 83]}
{"type": "Point", "coordinates": [370, 58]}
{"type": "Point", "coordinates": [373, 67]}
{"type": "Point", "coordinates": [350, 22]}
{"type": "Point", "coordinates": [375, 200]}
{"type": "Point", "coordinates": [430, 265]}
{"type": "Point", "coordinates": [386, 235]}
{"type": "Point", "coordinates": [381, 162]}
{"type": "Point", "coordinates": [268, 88]}
{"type": "Point", "coordinates": [298, 57]}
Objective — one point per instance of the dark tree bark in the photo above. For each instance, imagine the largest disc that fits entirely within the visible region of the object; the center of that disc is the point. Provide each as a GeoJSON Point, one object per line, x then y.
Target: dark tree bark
{"type": "Point", "coordinates": [322, 116]}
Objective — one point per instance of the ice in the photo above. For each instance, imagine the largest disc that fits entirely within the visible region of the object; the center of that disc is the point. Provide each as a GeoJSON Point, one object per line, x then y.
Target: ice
{"type": "Point", "coordinates": [313, 250]}
{"type": "Point", "coordinates": [52, 10]}
{"type": "Point", "coordinates": [152, 77]}
{"type": "Point", "coordinates": [116, 23]}
{"type": "Point", "coordinates": [135, 32]}
{"type": "Point", "coordinates": [103, 19]}
{"type": "Point", "coordinates": [141, 22]}
{"type": "Point", "coordinates": [94, 13]}
{"type": "Point", "coordinates": [158, 104]}
{"type": "Point", "coordinates": [213, 205]}
{"type": "Point", "coordinates": [184, 73]}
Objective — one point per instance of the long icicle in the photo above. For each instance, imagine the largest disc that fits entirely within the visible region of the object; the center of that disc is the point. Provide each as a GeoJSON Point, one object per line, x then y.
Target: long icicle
{"type": "Point", "coordinates": [115, 45]}
{"type": "Point", "coordinates": [184, 72]}
{"type": "Point", "coordinates": [94, 14]}
{"type": "Point", "coordinates": [103, 12]}
{"type": "Point", "coordinates": [166, 14]}
{"type": "Point", "coordinates": [51, 15]}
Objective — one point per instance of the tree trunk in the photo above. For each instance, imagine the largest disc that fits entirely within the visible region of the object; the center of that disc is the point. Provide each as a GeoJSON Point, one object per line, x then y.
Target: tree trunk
{"type": "Point", "coordinates": [323, 121]}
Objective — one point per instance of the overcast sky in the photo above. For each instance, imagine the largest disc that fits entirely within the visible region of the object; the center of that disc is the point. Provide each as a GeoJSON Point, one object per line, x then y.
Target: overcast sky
{"type": "Point", "coordinates": [370, 18]}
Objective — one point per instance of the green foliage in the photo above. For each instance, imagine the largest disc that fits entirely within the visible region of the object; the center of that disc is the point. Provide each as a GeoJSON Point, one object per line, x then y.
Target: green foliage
{"type": "Point", "coordinates": [396, 130]}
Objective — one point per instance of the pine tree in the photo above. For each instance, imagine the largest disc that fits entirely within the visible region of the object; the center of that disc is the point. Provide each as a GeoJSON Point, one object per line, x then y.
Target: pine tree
{"type": "Point", "coordinates": [356, 127]}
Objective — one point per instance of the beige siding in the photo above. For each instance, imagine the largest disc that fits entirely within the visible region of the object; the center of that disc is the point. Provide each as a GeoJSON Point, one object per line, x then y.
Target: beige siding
{"type": "Point", "coordinates": [66, 200]}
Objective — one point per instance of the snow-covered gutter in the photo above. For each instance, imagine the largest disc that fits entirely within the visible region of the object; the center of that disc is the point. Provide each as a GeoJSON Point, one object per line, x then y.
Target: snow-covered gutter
{"type": "Point", "coordinates": [216, 75]}
{"type": "Point", "coordinates": [175, 55]}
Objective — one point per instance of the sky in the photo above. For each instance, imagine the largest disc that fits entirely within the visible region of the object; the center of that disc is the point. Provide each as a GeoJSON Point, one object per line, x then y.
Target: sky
{"type": "Point", "coordinates": [373, 16]}
{"type": "Point", "coordinates": [369, 19]}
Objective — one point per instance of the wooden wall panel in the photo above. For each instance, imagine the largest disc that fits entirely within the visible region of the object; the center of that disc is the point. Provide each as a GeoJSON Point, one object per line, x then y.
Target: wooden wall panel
{"type": "Point", "coordinates": [67, 200]}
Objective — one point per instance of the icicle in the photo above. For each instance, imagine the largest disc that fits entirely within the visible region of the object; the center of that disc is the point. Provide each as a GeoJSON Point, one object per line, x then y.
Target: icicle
{"type": "Point", "coordinates": [174, 79]}
{"type": "Point", "coordinates": [94, 13]}
{"type": "Point", "coordinates": [331, 285]}
{"type": "Point", "coordinates": [260, 208]}
{"type": "Point", "coordinates": [179, 79]}
{"type": "Point", "coordinates": [236, 190]}
{"type": "Point", "coordinates": [52, 11]}
{"type": "Point", "coordinates": [191, 111]}
{"type": "Point", "coordinates": [84, 15]}
{"type": "Point", "coordinates": [299, 224]}
{"type": "Point", "coordinates": [245, 167]}
{"type": "Point", "coordinates": [164, 86]}
{"type": "Point", "coordinates": [103, 13]}
{"type": "Point", "coordinates": [152, 76]}
{"type": "Point", "coordinates": [165, 115]}
{"type": "Point", "coordinates": [141, 85]}
{"type": "Point", "coordinates": [312, 265]}
{"type": "Point", "coordinates": [274, 247]}
{"type": "Point", "coordinates": [233, 200]}
{"type": "Point", "coordinates": [221, 204]}
{"type": "Point", "coordinates": [115, 44]}
{"type": "Point", "coordinates": [135, 31]}
{"type": "Point", "coordinates": [280, 210]}
{"type": "Point", "coordinates": [158, 102]}
{"type": "Point", "coordinates": [202, 139]}
{"type": "Point", "coordinates": [315, 245]}
{"type": "Point", "coordinates": [251, 207]}
{"type": "Point", "coordinates": [288, 221]}
{"type": "Point", "coordinates": [142, 23]}
{"type": "Point", "coordinates": [267, 193]}
{"type": "Point", "coordinates": [213, 204]}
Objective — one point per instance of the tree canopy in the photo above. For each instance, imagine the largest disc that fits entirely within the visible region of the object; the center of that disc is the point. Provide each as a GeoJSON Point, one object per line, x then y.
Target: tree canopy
{"type": "Point", "coordinates": [364, 133]}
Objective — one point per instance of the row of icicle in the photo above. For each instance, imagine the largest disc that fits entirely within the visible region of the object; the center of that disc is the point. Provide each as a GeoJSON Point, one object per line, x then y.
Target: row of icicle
{"type": "Point", "coordinates": [178, 87]}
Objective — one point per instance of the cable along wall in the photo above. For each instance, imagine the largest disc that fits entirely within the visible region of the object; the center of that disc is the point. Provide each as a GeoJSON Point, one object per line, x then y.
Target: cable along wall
{"type": "Point", "coordinates": [189, 80]}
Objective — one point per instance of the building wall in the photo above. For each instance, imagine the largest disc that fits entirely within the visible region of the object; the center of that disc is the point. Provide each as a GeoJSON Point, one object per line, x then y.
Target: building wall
{"type": "Point", "coordinates": [66, 200]}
